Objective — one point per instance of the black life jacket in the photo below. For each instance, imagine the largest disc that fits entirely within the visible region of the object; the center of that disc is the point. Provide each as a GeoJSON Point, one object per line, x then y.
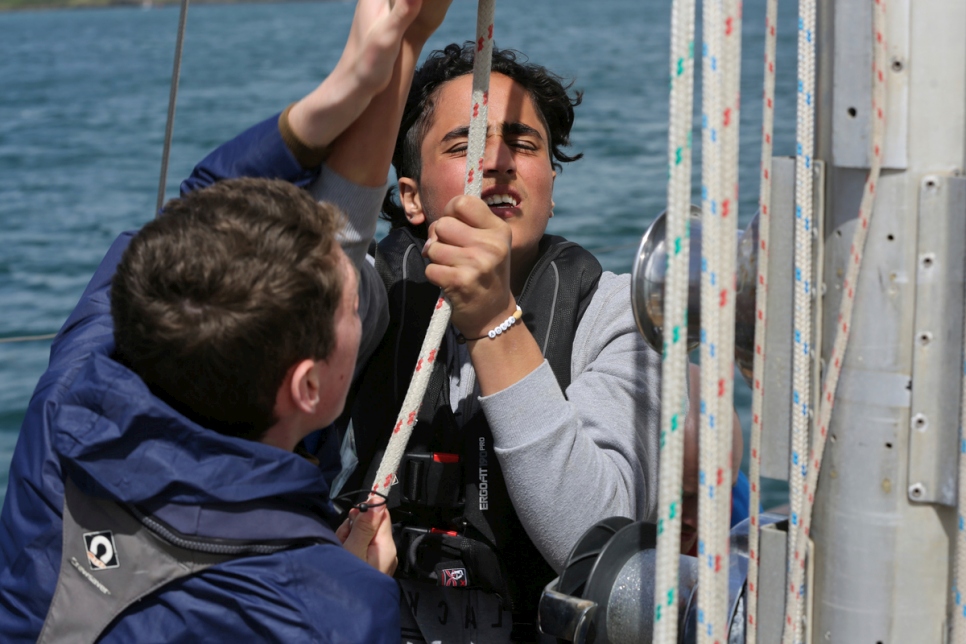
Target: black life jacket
{"type": "Point", "coordinates": [456, 524]}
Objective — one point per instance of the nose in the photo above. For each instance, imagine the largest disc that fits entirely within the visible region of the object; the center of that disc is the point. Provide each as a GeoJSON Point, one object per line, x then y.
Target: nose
{"type": "Point", "coordinates": [498, 157]}
{"type": "Point", "coordinates": [689, 510]}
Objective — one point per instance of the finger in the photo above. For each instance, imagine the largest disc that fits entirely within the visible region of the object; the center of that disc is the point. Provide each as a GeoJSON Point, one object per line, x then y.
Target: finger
{"type": "Point", "coordinates": [430, 238]}
{"type": "Point", "coordinates": [455, 231]}
{"type": "Point", "coordinates": [381, 553]}
{"type": "Point", "coordinates": [494, 240]}
{"type": "Point", "coordinates": [343, 531]}
{"type": "Point", "coordinates": [473, 211]}
{"type": "Point", "coordinates": [474, 265]}
{"type": "Point", "coordinates": [448, 278]}
{"type": "Point", "coordinates": [361, 533]}
{"type": "Point", "coordinates": [466, 288]}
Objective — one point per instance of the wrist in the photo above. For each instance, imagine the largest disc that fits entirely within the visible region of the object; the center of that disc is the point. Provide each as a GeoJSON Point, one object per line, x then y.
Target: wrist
{"type": "Point", "coordinates": [308, 156]}
{"type": "Point", "coordinates": [497, 329]}
{"type": "Point", "coordinates": [416, 41]}
{"type": "Point", "coordinates": [321, 116]}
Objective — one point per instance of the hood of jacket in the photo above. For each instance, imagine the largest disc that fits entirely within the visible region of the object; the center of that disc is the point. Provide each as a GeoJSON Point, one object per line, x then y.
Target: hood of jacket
{"type": "Point", "coordinates": [117, 440]}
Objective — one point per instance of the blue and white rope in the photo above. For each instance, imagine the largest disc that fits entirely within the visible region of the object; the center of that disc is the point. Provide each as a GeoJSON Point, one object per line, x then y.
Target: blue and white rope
{"type": "Point", "coordinates": [802, 322]}
{"type": "Point", "coordinates": [843, 325]}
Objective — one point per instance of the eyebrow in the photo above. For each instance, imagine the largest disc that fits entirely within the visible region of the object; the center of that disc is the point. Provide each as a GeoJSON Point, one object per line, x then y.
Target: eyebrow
{"type": "Point", "coordinates": [507, 129]}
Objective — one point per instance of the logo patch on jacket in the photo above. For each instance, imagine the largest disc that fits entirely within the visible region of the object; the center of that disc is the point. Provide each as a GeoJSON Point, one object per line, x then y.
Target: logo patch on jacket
{"type": "Point", "coordinates": [453, 577]}
{"type": "Point", "coordinates": [101, 551]}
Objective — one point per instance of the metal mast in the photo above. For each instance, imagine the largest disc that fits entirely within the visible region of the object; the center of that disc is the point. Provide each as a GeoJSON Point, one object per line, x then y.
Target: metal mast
{"type": "Point", "coordinates": [884, 517]}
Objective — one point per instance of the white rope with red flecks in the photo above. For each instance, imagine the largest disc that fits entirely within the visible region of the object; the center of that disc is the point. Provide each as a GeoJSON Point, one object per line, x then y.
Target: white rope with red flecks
{"type": "Point", "coordinates": [674, 369]}
{"type": "Point", "coordinates": [761, 306]}
{"type": "Point", "coordinates": [727, 244]}
{"type": "Point", "coordinates": [385, 475]}
{"type": "Point", "coordinates": [795, 611]}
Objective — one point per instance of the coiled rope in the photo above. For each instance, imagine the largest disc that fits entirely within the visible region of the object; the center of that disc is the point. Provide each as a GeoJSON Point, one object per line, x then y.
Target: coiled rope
{"type": "Point", "coordinates": [476, 147]}
{"type": "Point", "coordinates": [761, 307]}
{"type": "Point", "coordinates": [844, 321]}
{"type": "Point", "coordinates": [674, 405]}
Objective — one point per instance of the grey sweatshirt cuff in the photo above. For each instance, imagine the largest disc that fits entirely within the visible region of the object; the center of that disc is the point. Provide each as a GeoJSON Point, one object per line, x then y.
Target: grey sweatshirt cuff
{"type": "Point", "coordinates": [511, 412]}
{"type": "Point", "coordinates": [359, 204]}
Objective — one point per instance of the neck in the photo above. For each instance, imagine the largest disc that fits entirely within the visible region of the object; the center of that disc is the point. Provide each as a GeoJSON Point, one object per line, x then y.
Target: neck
{"type": "Point", "coordinates": [521, 265]}
{"type": "Point", "coordinates": [285, 434]}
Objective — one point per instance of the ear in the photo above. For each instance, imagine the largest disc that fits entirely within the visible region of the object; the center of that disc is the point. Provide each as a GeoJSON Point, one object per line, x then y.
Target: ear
{"type": "Point", "coordinates": [305, 386]}
{"type": "Point", "coordinates": [411, 203]}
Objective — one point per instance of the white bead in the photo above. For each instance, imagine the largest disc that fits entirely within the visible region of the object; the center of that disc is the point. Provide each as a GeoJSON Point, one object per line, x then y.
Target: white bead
{"type": "Point", "coordinates": [505, 325]}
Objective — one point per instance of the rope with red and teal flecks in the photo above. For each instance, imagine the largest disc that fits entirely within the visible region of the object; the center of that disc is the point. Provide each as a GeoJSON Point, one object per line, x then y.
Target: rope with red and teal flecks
{"type": "Point", "coordinates": [715, 281]}
{"type": "Point", "coordinates": [795, 612]}
{"type": "Point", "coordinates": [761, 306]}
{"type": "Point", "coordinates": [402, 430]}
{"type": "Point", "coordinates": [674, 394]}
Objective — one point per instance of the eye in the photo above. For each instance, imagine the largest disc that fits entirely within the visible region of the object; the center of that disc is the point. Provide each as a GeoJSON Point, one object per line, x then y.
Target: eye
{"type": "Point", "coordinates": [523, 144]}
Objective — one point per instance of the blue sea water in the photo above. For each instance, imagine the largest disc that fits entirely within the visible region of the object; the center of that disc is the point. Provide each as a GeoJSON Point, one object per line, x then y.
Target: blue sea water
{"type": "Point", "coordinates": [83, 101]}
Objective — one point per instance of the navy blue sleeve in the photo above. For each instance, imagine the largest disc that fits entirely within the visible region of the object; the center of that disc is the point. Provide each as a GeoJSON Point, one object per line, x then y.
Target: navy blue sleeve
{"type": "Point", "coordinates": [89, 326]}
{"type": "Point", "coordinates": [259, 151]}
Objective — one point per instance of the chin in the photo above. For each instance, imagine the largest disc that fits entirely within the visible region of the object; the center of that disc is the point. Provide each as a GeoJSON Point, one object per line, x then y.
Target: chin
{"type": "Point", "coordinates": [687, 545]}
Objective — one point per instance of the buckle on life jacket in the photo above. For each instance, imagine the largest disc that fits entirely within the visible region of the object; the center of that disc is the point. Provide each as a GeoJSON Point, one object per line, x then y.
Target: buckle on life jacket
{"type": "Point", "coordinates": [423, 550]}
{"type": "Point", "coordinates": [450, 559]}
{"type": "Point", "coordinates": [431, 480]}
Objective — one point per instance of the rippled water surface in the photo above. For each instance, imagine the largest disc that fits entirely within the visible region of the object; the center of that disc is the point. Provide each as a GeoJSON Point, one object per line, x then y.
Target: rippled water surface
{"type": "Point", "coordinates": [83, 101]}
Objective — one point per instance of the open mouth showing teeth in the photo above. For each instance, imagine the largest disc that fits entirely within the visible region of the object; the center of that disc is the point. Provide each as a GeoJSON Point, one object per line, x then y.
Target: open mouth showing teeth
{"type": "Point", "coordinates": [501, 201]}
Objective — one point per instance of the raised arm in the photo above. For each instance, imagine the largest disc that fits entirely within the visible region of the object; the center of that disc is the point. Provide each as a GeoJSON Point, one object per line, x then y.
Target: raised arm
{"type": "Point", "coordinates": [293, 145]}
{"type": "Point", "coordinates": [363, 152]}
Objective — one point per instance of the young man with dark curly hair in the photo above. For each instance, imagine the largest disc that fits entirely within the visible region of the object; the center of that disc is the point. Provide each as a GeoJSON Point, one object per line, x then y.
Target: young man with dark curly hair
{"type": "Point", "coordinates": [553, 424]}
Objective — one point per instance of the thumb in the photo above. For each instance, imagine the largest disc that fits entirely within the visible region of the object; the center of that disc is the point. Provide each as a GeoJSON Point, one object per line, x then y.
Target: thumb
{"type": "Point", "coordinates": [363, 528]}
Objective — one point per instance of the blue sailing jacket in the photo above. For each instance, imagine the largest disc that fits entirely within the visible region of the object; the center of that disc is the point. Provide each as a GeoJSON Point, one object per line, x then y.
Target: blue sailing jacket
{"type": "Point", "coordinates": [94, 420]}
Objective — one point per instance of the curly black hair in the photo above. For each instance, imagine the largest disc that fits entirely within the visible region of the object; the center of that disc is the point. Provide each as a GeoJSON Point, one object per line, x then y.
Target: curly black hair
{"type": "Point", "coordinates": [550, 95]}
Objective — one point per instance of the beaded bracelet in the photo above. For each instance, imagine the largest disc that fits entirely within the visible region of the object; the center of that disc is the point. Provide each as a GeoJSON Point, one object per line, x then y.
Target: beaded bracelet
{"type": "Point", "coordinates": [505, 326]}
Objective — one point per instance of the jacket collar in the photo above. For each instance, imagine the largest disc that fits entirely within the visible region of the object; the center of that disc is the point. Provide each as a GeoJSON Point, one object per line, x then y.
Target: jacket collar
{"type": "Point", "coordinates": [118, 440]}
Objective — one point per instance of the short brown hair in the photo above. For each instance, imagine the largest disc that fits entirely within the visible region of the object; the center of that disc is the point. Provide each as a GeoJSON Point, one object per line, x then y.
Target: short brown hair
{"type": "Point", "coordinates": [219, 296]}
